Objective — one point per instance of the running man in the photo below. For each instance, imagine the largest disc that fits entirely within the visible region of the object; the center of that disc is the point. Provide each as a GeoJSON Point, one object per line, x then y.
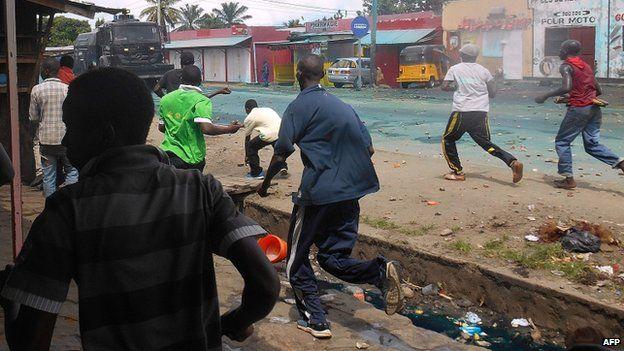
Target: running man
{"type": "Point", "coordinates": [473, 85]}
{"type": "Point", "coordinates": [137, 235]}
{"type": "Point", "coordinates": [171, 80]}
{"type": "Point", "coordinates": [583, 115]}
{"type": "Point", "coordinates": [336, 151]}
{"type": "Point", "coordinates": [264, 123]}
{"type": "Point", "coordinates": [186, 115]}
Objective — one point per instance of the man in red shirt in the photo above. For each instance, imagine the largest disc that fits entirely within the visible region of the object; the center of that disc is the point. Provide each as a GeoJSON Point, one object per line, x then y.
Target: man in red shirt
{"type": "Point", "coordinates": [584, 115]}
{"type": "Point", "coordinates": [66, 72]}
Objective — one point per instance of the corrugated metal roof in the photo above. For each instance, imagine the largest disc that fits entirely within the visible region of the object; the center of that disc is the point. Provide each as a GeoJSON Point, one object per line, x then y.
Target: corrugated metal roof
{"type": "Point", "coordinates": [207, 42]}
{"type": "Point", "coordinates": [403, 36]}
{"type": "Point", "coordinates": [81, 8]}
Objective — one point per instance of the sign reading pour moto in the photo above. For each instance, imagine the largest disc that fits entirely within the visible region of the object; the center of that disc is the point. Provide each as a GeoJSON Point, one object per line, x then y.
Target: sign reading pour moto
{"type": "Point", "coordinates": [359, 26]}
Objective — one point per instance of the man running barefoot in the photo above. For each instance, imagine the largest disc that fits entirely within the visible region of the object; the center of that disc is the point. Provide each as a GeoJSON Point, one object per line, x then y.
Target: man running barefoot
{"type": "Point", "coordinates": [336, 151]}
{"type": "Point", "coordinates": [473, 85]}
{"type": "Point", "coordinates": [583, 115]}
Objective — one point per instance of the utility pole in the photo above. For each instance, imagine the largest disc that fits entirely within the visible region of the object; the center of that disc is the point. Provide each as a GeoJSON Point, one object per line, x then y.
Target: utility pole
{"type": "Point", "coordinates": [373, 48]}
{"type": "Point", "coordinates": [158, 15]}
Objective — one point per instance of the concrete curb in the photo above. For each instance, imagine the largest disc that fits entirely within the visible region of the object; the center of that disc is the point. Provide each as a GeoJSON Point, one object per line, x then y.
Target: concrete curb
{"type": "Point", "coordinates": [501, 290]}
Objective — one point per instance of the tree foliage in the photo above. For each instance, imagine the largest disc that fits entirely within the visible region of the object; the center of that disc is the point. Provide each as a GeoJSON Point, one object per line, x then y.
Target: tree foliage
{"type": "Point", "coordinates": [168, 13]}
{"type": "Point", "coordinates": [191, 16]}
{"type": "Point", "coordinates": [295, 22]}
{"type": "Point", "coordinates": [65, 30]}
{"type": "Point", "coordinates": [388, 7]}
{"type": "Point", "coordinates": [231, 13]}
{"type": "Point", "coordinates": [100, 21]}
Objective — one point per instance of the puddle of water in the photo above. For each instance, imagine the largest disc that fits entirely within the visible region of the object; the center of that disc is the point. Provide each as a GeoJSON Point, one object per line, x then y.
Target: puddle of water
{"type": "Point", "coordinates": [502, 339]}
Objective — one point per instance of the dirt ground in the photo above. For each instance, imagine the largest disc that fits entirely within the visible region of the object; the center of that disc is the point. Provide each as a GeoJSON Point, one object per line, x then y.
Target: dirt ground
{"type": "Point", "coordinates": [488, 215]}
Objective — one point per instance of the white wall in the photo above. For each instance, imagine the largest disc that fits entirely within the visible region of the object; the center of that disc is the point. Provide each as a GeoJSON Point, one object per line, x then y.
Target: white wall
{"type": "Point", "coordinates": [214, 61]}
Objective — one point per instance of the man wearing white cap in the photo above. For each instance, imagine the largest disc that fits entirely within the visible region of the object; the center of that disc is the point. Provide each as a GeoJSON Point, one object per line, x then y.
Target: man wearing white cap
{"type": "Point", "coordinates": [473, 85]}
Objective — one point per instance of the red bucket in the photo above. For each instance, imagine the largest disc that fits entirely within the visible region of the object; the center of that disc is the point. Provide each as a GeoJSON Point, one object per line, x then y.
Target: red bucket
{"type": "Point", "coordinates": [274, 248]}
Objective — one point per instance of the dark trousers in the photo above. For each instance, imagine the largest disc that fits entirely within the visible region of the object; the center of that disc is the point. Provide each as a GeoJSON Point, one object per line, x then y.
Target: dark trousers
{"type": "Point", "coordinates": [177, 162]}
{"type": "Point", "coordinates": [251, 154]}
{"type": "Point", "coordinates": [477, 126]}
{"type": "Point", "coordinates": [333, 229]}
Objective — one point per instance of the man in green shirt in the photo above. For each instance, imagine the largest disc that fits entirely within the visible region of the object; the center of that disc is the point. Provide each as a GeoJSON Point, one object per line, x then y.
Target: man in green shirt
{"type": "Point", "coordinates": [186, 115]}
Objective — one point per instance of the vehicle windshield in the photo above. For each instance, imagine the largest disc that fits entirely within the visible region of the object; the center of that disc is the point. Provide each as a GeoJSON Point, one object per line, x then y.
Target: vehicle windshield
{"type": "Point", "coordinates": [133, 34]}
{"type": "Point", "coordinates": [343, 64]}
{"type": "Point", "coordinates": [412, 58]}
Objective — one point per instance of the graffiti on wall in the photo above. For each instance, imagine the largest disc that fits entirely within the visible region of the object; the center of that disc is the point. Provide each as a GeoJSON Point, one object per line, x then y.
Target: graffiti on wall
{"type": "Point", "coordinates": [616, 40]}
{"type": "Point", "coordinates": [507, 23]}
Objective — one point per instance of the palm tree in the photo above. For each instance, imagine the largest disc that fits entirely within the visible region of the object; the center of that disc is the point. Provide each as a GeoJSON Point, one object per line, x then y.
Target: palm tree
{"type": "Point", "coordinates": [168, 14]}
{"type": "Point", "coordinates": [293, 23]}
{"type": "Point", "coordinates": [210, 21]}
{"type": "Point", "coordinates": [192, 16]}
{"type": "Point", "coordinates": [231, 13]}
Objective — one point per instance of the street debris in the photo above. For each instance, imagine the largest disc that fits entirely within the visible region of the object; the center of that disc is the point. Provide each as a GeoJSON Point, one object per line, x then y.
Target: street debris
{"type": "Point", "coordinates": [519, 322]}
{"type": "Point", "coordinates": [580, 241]}
{"type": "Point", "coordinates": [292, 301]}
{"type": "Point", "coordinates": [279, 320]}
{"type": "Point", "coordinates": [608, 270]}
{"type": "Point", "coordinates": [536, 334]}
{"type": "Point", "coordinates": [531, 238]}
{"type": "Point", "coordinates": [408, 292]}
{"type": "Point", "coordinates": [472, 318]}
{"type": "Point", "coordinates": [532, 219]}
{"type": "Point", "coordinates": [432, 203]}
{"type": "Point", "coordinates": [431, 289]}
{"type": "Point", "coordinates": [446, 232]}
{"type": "Point", "coordinates": [361, 345]}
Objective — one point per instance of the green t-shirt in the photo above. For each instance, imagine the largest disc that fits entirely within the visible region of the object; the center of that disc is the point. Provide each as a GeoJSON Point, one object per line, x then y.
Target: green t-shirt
{"type": "Point", "coordinates": [180, 111]}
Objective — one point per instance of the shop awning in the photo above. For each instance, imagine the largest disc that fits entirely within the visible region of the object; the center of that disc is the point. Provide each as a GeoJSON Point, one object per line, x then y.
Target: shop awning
{"type": "Point", "coordinates": [208, 43]}
{"type": "Point", "coordinates": [407, 36]}
{"type": "Point", "coordinates": [85, 9]}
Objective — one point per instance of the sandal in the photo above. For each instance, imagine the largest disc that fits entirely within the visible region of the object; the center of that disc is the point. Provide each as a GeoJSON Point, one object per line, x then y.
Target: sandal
{"type": "Point", "coordinates": [455, 176]}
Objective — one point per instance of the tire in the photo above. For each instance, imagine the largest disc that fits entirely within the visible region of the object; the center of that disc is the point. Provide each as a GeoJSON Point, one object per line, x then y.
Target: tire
{"type": "Point", "coordinates": [432, 83]}
{"type": "Point", "coordinates": [405, 85]}
{"type": "Point", "coordinates": [338, 85]}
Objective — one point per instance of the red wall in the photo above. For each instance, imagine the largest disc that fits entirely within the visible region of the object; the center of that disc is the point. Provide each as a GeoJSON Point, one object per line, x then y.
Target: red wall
{"type": "Point", "coordinates": [389, 55]}
{"type": "Point", "coordinates": [272, 57]}
{"type": "Point", "coordinates": [413, 20]}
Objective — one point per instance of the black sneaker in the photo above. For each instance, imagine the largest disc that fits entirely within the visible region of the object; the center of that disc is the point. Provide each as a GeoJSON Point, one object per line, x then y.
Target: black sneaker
{"type": "Point", "coordinates": [318, 330]}
{"type": "Point", "coordinates": [391, 288]}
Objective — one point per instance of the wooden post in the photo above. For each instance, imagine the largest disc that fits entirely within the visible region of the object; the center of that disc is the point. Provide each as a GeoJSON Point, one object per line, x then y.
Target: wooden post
{"type": "Point", "coordinates": [226, 66]}
{"type": "Point", "coordinates": [16, 185]}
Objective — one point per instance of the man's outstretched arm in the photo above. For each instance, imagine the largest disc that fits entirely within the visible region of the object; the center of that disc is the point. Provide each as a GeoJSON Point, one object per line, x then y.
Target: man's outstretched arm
{"type": "Point", "coordinates": [566, 86]}
{"type": "Point", "coordinates": [261, 290]}
{"type": "Point", "coordinates": [224, 91]}
{"type": "Point", "coordinates": [448, 85]}
{"type": "Point", "coordinates": [276, 165]}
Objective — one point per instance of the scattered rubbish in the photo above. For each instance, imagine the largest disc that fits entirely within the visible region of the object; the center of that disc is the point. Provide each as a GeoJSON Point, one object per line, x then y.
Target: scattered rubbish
{"type": "Point", "coordinates": [550, 232]}
{"type": "Point", "coordinates": [273, 247]}
{"type": "Point", "coordinates": [519, 322]}
{"type": "Point", "coordinates": [407, 292]}
{"type": "Point", "coordinates": [431, 289]}
{"type": "Point", "coordinates": [608, 270]}
{"type": "Point", "coordinates": [531, 218]}
{"type": "Point", "coordinates": [536, 334]}
{"type": "Point", "coordinates": [499, 224]}
{"type": "Point", "coordinates": [326, 297]}
{"type": "Point", "coordinates": [521, 271]}
{"type": "Point", "coordinates": [532, 238]}
{"type": "Point", "coordinates": [279, 320]}
{"type": "Point", "coordinates": [446, 232]}
{"type": "Point", "coordinates": [361, 345]}
{"type": "Point", "coordinates": [463, 303]}
{"type": "Point", "coordinates": [605, 235]}
{"type": "Point", "coordinates": [403, 162]}
{"type": "Point", "coordinates": [419, 312]}
{"type": "Point", "coordinates": [432, 203]}
{"type": "Point", "coordinates": [354, 290]}
{"type": "Point", "coordinates": [531, 207]}
{"type": "Point", "coordinates": [472, 318]}
{"type": "Point", "coordinates": [292, 301]}
{"type": "Point", "coordinates": [583, 256]}
{"type": "Point", "coordinates": [392, 198]}
{"type": "Point", "coordinates": [482, 343]}
{"type": "Point", "coordinates": [397, 165]}
{"type": "Point", "coordinates": [580, 241]}
{"type": "Point", "coordinates": [470, 329]}
{"type": "Point", "coordinates": [602, 283]}
{"type": "Point", "coordinates": [442, 189]}
{"type": "Point", "coordinates": [557, 273]}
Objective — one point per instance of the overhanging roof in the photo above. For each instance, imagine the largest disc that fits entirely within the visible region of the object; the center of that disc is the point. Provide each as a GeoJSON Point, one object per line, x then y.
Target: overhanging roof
{"type": "Point", "coordinates": [403, 36]}
{"type": "Point", "coordinates": [207, 42]}
{"type": "Point", "coordinates": [79, 8]}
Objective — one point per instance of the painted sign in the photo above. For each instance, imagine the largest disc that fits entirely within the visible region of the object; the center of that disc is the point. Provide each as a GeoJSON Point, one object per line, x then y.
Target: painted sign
{"type": "Point", "coordinates": [507, 23]}
{"type": "Point", "coordinates": [616, 40]}
{"type": "Point", "coordinates": [324, 25]}
{"type": "Point", "coordinates": [558, 20]}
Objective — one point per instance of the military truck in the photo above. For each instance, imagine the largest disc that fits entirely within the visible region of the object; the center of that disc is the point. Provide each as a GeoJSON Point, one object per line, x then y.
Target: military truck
{"type": "Point", "coordinates": [126, 43]}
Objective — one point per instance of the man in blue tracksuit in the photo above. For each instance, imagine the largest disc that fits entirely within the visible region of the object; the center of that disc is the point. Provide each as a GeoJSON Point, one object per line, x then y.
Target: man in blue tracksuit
{"type": "Point", "coordinates": [335, 149]}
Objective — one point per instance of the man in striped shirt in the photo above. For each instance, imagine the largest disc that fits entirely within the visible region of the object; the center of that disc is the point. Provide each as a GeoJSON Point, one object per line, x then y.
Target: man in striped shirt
{"type": "Point", "coordinates": [136, 235]}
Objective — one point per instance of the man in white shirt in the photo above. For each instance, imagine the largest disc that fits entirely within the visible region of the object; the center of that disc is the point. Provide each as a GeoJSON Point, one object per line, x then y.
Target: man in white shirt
{"type": "Point", "coordinates": [264, 123]}
{"type": "Point", "coordinates": [473, 85]}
